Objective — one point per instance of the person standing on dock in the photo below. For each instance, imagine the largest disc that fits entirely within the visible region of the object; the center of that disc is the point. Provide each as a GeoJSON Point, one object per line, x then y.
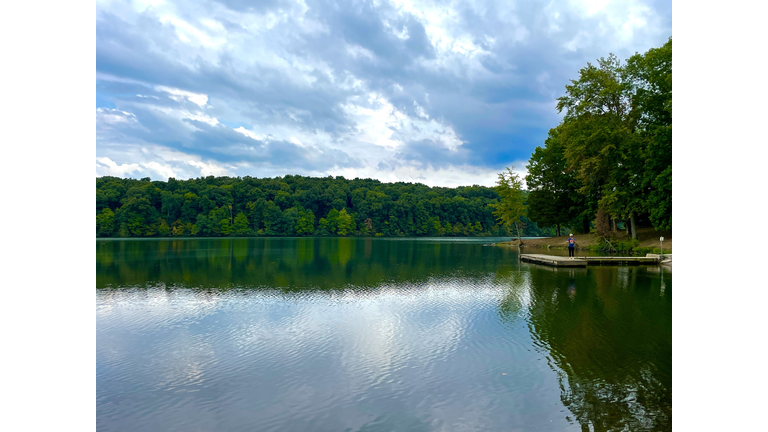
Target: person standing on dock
{"type": "Point", "coordinates": [571, 245]}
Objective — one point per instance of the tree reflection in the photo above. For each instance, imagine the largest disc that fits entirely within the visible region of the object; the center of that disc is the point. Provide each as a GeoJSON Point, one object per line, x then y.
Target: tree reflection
{"type": "Point", "coordinates": [289, 263]}
{"type": "Point", "coordinates": [608, 332]}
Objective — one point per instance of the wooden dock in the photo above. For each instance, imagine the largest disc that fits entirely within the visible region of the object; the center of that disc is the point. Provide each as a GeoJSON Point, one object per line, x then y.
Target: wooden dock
{"type": "Point", "coordinates": [555, 261]}
{"type": "Point", "coordinates": [561, 261]}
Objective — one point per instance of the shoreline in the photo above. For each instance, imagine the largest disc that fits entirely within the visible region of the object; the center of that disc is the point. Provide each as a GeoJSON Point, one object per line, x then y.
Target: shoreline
{"type": "Point", "coordinates": [647, 242]}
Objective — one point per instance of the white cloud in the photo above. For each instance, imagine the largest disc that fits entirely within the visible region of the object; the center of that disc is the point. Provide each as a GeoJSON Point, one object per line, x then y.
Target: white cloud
{"type": "Point", "coordinates": [114, 116]}
{"type": "Point", "coordinates": [107, 167]}
{"type": "Point", "coordinates": [248, 133]}
{"type": "Point", "coordinates": [380, 123]}
{"type": "Point", "coordinates": [449, 176]}
{"type": "Point", "coordinates": [178, 95]}
{"type": "Point", "coordinates": [157, 162]}
{"type": "Point", "coordinates": [163, 171]}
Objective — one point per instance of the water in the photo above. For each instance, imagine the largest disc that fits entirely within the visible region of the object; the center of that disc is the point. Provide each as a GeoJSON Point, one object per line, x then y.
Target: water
{"type": "Point", "coordinates": [335, 334]}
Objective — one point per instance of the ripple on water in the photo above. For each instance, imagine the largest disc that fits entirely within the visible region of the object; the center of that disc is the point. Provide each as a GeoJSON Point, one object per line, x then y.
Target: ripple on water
{"type": "Point", "coordinates": [448, 353]}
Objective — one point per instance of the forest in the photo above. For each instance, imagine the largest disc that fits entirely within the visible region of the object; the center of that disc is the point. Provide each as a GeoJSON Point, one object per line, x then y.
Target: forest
{"type": "Point", "coordinates": [294, 206]}
{"type": "Point", "coordinates": [609, 161]}
{"type": "Point", "coordinates": [608, 164]}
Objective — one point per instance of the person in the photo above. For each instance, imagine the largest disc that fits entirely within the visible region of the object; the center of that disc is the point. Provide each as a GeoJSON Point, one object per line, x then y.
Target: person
{"type": "Point", "coordinates": [571, 245]}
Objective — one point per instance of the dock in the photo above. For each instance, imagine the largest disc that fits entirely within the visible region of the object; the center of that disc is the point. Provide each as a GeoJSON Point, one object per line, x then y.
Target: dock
{"type": "Point", "coordinates": [561, 261]}
{"type": "Point", "coordinates": [555, 261]}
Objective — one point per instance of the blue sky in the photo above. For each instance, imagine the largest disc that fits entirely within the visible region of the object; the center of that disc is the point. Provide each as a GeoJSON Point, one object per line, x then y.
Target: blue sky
{"type": "Point", "coordinates": [439, 92]}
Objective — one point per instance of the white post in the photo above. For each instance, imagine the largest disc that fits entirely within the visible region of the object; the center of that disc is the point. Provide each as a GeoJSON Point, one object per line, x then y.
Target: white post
{"type": "Point", "coordinates": [661, 247]}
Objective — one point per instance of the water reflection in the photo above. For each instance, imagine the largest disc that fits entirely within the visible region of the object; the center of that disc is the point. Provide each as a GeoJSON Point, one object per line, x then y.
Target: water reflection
{"type": "Point", "coordinates": [373, 334]}
{"type": "Point", "coordinates": [288, 263]}
{"type": "Point", "coordinates": [608, 333]}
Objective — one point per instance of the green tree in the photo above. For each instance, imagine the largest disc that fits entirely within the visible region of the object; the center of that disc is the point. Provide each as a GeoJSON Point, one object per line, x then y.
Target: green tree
{"type": "Point", "coordinates": [322, 227]}
{"type": "Point", "coordinates": [137, 213]}
{"type": "Point", "coordinates": [220, 221]}
{"type": "Point", "coordinates": [511, 206]}
{"type": "Point", "coordinates": [163, 229]}
{"type": "Point", "coordinates": [105, 223]}
{"type": "Point", "coordinates": [241, 227]}
{"type": "Point", "coordinates": [553, 197]}
{"type": "Point", "coordinates": [256, 213]}
{"type": "Point", "coordinates": [305, 224]}
{"type": "Point", "coordinates": [203, 226]}
{"type": "Point", "coordinates": [651, 77]}
{"type": "Point", "coordinates": [345, 223]}
{"type": "Point", "coordinates": [275, 222]}
{"type": "Point", "coordinates": [377, 208]}
{"type": "Point", "coordinates": [599, 140]}
{"type": "Point", "coordinates": [332, 221]}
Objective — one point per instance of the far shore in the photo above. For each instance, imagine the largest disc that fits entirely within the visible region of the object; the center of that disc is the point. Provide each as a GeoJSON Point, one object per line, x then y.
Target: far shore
{"type": "Point", "coordinates": [648, 241]}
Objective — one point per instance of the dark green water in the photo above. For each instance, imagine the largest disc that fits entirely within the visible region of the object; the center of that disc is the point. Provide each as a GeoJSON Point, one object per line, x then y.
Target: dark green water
{"type": "Point", "coordinates": [335, 334]}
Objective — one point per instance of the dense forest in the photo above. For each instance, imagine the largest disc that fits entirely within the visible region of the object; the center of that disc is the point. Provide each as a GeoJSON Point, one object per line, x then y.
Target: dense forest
{"type": "Point", "coordinates": [609, 161]}
{"type": "Point", "coordinates": [294, 206]}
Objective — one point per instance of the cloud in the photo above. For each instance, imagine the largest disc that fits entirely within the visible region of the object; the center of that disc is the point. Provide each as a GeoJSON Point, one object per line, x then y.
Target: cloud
{"type": "Point", "coordinates": [106, 166]}
{"type": "Point", "coordinates": [387, 88]}
{"type": "Point", "coordinates": [158, 162]}
{"type": "Point", "coordinates": [199, 99]}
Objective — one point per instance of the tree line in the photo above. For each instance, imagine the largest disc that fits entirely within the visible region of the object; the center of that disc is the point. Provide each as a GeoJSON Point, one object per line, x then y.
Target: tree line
{"type": "Point", "coordinates": [610, 159]}
{"type": "Point", "coordinates": [294, 206]}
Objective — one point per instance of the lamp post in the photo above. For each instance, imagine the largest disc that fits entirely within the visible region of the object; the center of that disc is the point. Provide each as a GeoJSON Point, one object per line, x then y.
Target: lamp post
{"type": "Point", "coordinates": [661, 246]}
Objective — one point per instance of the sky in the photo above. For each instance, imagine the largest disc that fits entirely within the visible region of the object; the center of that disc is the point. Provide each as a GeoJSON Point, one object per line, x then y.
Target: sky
{"type": "Point", "coordinates": [444, 93]}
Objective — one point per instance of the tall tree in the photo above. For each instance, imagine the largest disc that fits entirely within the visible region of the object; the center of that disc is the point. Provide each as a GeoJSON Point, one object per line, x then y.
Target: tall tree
{"type": "Point", "coordinates": [651, 76]}
{"type": "Point", "coordinates": [511, 206]}
{"type": "Point", "coordinates": [616, 141]}
{"type": "Point", "coordinates": [240, 227]}
{"type": "Point", "coordinates": [553, 197]}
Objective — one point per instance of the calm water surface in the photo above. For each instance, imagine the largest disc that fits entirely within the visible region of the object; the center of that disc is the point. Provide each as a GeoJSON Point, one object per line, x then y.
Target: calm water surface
{"type": "Point", "coordinates": [343, 334]}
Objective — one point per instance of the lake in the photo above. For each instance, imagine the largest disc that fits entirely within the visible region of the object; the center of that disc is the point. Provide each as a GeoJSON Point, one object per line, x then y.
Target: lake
{"type": "Point", "coordinates": [375, 334]}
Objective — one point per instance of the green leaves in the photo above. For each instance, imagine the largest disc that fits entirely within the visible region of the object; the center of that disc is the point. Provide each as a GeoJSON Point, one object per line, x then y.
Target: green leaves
{"type": "Point", "coordinates": [291, 205]}
{"type": "Point", "coordinates": [105, 223]}
{"type": "Point", "coordinates": [511, 206]}
{"type": "Point", "coordinates": [614, 146]}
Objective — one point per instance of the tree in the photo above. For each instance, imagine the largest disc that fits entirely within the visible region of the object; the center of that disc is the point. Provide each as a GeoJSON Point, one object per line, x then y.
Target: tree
{"type": "Point", "coordinates": [332, 221]}
{"type": "Point", "coordinates": [511, 206]}
{"type": "Point", "coordinates": [105, 223]}
{"type": "Point", "coordinates": [177, 229]}
{"type": "Point", "coordinates": [376, 208]}
{"type": "Point", "coordinates": [553, 198]}
{"type": "Point", "coordinates": [600, 139]}
{"type": "Point", "coordinates": [203, 226]}
{"type": "Point", "coordinates": [137, 213]}
{"type": "Point", "coordinates": [256, 213]}
{"type": "Point", "coordinates": [651, 76]}
{"type": "Point", "coordinates": [241, 228]}
{"type": "Point", "coordinates": [163, 229]}
{"type": "Point", "coordinates": [305, 224]}
{"type": "Point", "coordinates": [220, 221]}
{"type": "Point", "coordinates": [275, 222]}
{"type": "Point", "coordinates": [345, 223]}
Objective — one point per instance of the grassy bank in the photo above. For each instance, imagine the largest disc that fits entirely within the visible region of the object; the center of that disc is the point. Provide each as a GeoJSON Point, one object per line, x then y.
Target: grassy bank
{"type": "Point", "coordinates": [647, 242]}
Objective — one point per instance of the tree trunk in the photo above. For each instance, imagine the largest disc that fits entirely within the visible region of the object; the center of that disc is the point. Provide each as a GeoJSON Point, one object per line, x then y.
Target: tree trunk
{"type": "Point", "coordinates": [626, 224]}
{"type": "Point", "coordinates": [613, 224]}
{"type": "Point", "coordinates": [519, 239]}
{"type": "Point", "coordinates": [634, 227]}
{"type": "Point", "coordinates": [558, 230]}
{"type": "Point", "coordinates": [585, 225]}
